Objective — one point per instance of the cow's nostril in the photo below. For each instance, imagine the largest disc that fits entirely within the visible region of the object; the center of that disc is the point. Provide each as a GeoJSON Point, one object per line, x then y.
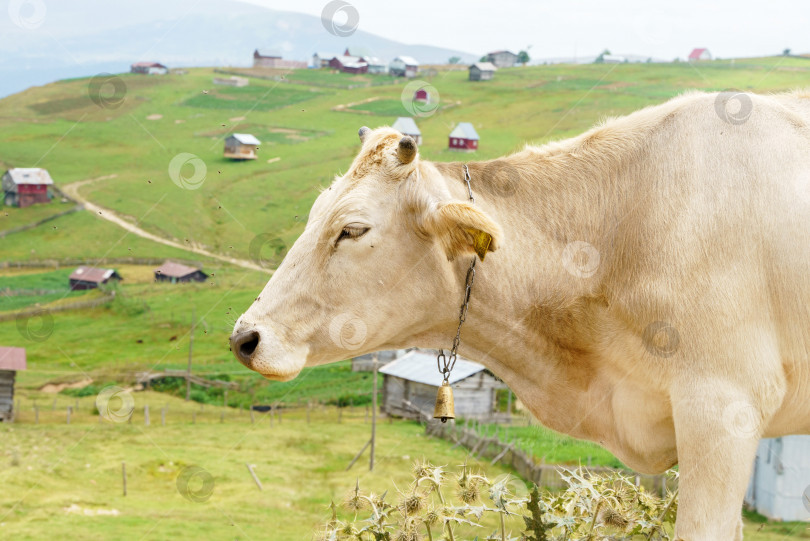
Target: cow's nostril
{"type": "Point", "coordinates": [244, 345]}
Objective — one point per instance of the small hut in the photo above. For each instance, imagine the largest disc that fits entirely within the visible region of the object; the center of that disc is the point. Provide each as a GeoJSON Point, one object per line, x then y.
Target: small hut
{"type": "Point", "coordinates": [177, 272]}
{"type": "Point", "coordinates": [241, 146]}
{"type": "Point", "coordinates": [26, 186]}
{"type": "Point", "coordinates": [91, 277]}
{"type": "Point", "coordinates": [410, 384]}
{"type": "Point", "coordinates": [482, 71]}
{"type": "Point", "coordinates": [403, 66]}
{"type": "Point", "coordinates": [406, 126]}
{"type": "Point", "coordinates": [463, 137]}
{"type": "Point", "coordinates": [11, 360]}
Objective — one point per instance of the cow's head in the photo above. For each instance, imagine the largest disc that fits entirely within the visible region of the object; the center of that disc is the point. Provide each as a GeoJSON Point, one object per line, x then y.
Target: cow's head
{"type": "Point", "coordinates": [371, 270]}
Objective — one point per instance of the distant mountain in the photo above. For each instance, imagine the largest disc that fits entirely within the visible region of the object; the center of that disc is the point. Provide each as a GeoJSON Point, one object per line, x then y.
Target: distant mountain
{"type": "Point", "coordinates": [86, 37]}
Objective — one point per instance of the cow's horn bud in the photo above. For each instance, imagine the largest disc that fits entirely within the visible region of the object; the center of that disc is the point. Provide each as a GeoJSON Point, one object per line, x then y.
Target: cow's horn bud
{"type": "Point", "coordinates": [407, 149]}
{"type": "Point", "coordinates": [362, 132]}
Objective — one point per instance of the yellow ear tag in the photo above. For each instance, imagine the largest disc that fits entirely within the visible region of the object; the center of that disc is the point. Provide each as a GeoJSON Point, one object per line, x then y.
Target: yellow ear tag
{"type": "Point", "coordinates": [481, 242]}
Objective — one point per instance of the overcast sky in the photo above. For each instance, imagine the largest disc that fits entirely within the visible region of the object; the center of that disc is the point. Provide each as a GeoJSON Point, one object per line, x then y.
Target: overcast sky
{"type": "Point", "coordinates": [585, 27]}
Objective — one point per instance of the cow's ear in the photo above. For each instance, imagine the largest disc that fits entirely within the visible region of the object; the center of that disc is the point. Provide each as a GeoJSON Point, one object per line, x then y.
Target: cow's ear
{"type": "Point", "coordinates": [463, 229]}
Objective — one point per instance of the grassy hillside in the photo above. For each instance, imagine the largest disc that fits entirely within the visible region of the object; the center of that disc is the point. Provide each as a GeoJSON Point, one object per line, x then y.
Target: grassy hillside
{"type": "Point", "coordinates": [295, 117]}
{"type": "Point", "coordinates": [308, 123]}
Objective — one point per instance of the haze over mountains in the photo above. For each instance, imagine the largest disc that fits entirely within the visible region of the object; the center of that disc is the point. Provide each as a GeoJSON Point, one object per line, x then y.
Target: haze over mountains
{"type": "Point", "coordinates": [86, 37]}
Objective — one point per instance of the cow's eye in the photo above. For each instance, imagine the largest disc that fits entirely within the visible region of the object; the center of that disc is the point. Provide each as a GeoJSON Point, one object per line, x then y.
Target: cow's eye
{"type": "Point", "coordinates": [352, 232]}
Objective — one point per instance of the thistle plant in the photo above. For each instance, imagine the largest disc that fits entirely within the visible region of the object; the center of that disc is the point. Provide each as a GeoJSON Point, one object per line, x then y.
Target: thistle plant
{"type": "Point", "coordinates": [471, 506]}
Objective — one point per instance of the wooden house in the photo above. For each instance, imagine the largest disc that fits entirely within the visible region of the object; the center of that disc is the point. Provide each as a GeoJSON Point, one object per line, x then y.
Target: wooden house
{"type": "Point", "coordinates": [780, 482]}
{"type": "Point", "coordinates": [375, 65]}
{"type": "Point", "coordinates": [463, 137]}
{"type": "Point", "coordinates": [177, 272]}
{"type": "Point", "coordinates": [501, 59]}
{"type": "Point", "coordinates": [266, 59]}
{"type": "Point", "coordinates": [26, 186]}
{"type": "Point", "coordinates": [271, 59]}
{"type": "Point", "coordinates": [149, 68]}
{"type": "Point", "coordinates": [406, 126]}
{"type": "Point", "coordinates": [11, 360]}
{"type": "Point", "coordinates": [482, 71]}
{"type": "Point", "coordinates": [410, 384]}
{"type": "Point", "coordinates": [403, 66]}
{"type": "Point", "coordinates": [699, 54]}
{"type": "Point", "coordinates": [241, 146]}
{"type": "Point", "coordinates": [349, 64]}
{"type": "Point", "coordinates": [91, 277]}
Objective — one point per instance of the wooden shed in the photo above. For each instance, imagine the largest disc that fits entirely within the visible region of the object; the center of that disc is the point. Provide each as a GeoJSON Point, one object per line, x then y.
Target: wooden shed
{"type": "Point", "coordinates": [91, 277]}
{"type": "Point", "coordinates": [410, 384]}
{"type": "Point", "coordinates": [482, 71]}
{"type": "Point", "coordinates": [403, 66]}
{"type": "Point", "coordinates": [502, 59]}
{"type": "Point", "coordinates": [26, 186]}
{"type": "Point", "coordinates": [406, 126]}
{"type": "Point", "coordinates": [463, 137]}
{"type": "Point", "coordinates": [177, 272]}
{"type": "Point", "coordinates": [11, 360]}
{"type": "Point", "coordinates": [241, 146]}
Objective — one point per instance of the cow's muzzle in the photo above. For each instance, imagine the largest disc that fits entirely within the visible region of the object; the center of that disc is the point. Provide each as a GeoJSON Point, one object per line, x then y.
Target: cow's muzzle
{"type": "Point", "coordinates": [244, 345]}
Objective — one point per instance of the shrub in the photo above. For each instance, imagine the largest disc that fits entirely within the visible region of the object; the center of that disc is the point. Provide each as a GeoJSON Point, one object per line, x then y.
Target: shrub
{"type": "Point", "coordinates": [434, 506]}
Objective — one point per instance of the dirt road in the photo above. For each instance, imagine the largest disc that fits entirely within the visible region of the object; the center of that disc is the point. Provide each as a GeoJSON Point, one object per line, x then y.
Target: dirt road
{"type": "Point", "coordinates": [72, 191]}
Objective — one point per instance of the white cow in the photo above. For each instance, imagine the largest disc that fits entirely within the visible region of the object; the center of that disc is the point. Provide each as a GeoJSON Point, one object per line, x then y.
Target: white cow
{"type": "Point", "coordinates": [648, 290]}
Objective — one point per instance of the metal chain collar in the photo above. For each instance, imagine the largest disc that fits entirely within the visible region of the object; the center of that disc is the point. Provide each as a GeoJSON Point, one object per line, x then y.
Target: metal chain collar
{"type": "Point", "coordinates": [445, 364]}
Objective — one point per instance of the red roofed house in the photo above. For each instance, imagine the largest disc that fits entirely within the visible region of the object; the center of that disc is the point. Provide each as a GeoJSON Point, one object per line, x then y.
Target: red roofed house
{"type": "Point", "coordinates": [23, 187]}
{"type": "Point", "coordinates": [349, 64]}
{"type": "Point", "coordinates": [700, 54]}
{"type": "Point", "coordinates": [177, 272]}
{"type": "Point", "coordinates": [463, 137]}
{"type": "Point", "coordinates": [149, 68]}
{"type": "Point", "coordinates": [91, 277]}
{"type": "Point", "coordinates": [11, 360]}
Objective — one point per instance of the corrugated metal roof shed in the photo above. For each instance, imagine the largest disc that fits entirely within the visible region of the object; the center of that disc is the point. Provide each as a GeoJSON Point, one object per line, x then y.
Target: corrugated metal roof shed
{"type": "Point", "coordinates": [420, 366]}
{"type": "Point", "coordinates": [12, 358]}
{"type": "Point", "coordinates": [91, 274]}
{"type": "Point", "coordinates": [29, 175]}
{"type": "Point", "coordinates": [464, 130]}
{"type": "Point", "coordinates": [407, 126]}
{"type": "Point", "coordinates": [246, 139]}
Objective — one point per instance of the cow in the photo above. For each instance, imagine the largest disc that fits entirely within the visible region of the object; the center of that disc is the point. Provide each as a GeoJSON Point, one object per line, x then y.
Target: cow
{"type": "Point", "coordinates": [645, 286]}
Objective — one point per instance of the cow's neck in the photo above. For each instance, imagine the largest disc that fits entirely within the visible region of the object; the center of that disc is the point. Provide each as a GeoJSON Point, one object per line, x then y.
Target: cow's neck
{"type": "Point", "coordinates": [532, 321]}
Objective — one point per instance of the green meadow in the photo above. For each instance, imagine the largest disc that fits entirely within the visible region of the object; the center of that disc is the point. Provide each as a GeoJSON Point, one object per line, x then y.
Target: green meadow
{"type": "Point", "coordinates": [307, 122]}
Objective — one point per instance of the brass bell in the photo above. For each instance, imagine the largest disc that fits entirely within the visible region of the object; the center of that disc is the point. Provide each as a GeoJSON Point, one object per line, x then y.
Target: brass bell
{"type": "Point", "coordinates": [444, 403]}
